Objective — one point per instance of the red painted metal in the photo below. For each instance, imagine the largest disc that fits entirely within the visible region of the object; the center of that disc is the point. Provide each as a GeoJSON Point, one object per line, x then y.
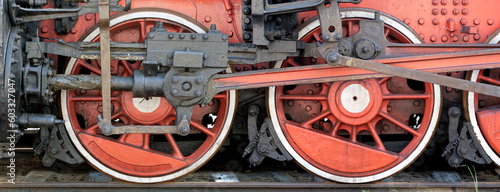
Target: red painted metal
{"type": "Point", "coordinates": [436, 22]}
{"type": "Point", "coordinates": [138, 154]}
{"type": "Point", "coordinates": [349, 143]}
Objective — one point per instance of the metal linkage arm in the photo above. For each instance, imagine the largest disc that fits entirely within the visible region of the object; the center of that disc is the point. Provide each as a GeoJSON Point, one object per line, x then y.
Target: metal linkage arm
{"type": "Point", "coordinates": [20, 14]}
{"type": "Point", "coordinates": [87, 50]}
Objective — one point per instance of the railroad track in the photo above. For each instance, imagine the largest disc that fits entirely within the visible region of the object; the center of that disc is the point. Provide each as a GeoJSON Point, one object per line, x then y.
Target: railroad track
{"type": "Point", "coordinates": [32, 176]}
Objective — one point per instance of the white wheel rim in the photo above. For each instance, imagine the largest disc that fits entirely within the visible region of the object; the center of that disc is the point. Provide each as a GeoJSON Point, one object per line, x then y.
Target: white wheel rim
{"type": "Point", "coordinates": [405, 30]}
{"type": "Point", "coordinates": [150, 14]}
{"type": "Point", "coordinates": [472, 113]}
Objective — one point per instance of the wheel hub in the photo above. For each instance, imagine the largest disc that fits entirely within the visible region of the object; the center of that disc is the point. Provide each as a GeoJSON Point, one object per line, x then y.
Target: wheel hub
{"type": "Point", "coordinates": [144, 109]}
{"type": "Point", "coordinates": [146, 104]}
{"type": "Point", "coordinates": [355, 102]}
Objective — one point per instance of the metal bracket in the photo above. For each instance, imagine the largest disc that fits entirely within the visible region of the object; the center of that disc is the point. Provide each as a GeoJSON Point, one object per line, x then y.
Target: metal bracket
{"type": "Point", "coordinates": [463, 146]}
{"type": "Point", "coordinates": [57, 146]}
{"type": "Point", "coordinates": [263, 143]}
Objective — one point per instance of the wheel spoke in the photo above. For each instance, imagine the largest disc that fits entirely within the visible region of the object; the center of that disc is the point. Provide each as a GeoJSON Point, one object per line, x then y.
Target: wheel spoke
{"type": "Point", "coordinates": [349, 28]}
{"type": "Point", "coordinates": [399, 124]}
{"type": "Point", "coordinates": [336, 128]}
{"type": "Point", "coordinates": [293, 63]}
{"type": "Point", "coordinates": [127, 67]}
{"type": "Point", "coordinates": [386, 32]}
{"type": "Point", "coordinates": [405, 96]}
{"type": "Point", "coordinates": [309, 122]}
{"type": "Point", "coordinates": [145, 144]}
{"type": "Point", "coordinates": [176, 152]}
{"type": "Point", "coordinates": [202, 128]}
{"type": "Point", "coordinates": [316, 36]}
{"type": "Point", "coordinates": [220, 96]}
{"type": "Point", "coordinates": [489, 80]}
{"type": "Point", "coordinates": [303, 97]}
{"type": "Point", "coordinates": [143, 31]}
{"type": "Point", "coordinates": [376, 137]}
{"type": "Point", "coordinates": [90, 67]}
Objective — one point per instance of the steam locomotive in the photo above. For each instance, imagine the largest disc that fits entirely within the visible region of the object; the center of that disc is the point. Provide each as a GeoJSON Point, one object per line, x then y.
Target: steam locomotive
{"type": "Point", "coordinates": [148, 91]}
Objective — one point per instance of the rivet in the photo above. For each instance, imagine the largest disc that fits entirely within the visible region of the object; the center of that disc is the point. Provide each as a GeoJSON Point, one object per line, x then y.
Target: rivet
{"type": "Point", "coordinates": [482, 103]}
{"type": "Point", "coordinates": [385, 127]}
{"type": "Point", "coordinates": [313, 60]}
{"type": "Point", "coordinates": [421, 35]}
{"type": "Point", "coordinates": [465, 2]}
{"type": "Point", "coordinates": [435, 11]}
{"type": "Point", "coordinates": [181, 36]}
{"type": "Point", "coordinates": [170, 36]}
{"type": "Point", "coordinates": [45, 29]}
{"type": "Point", "coordinates": [89, 16]}
{"type": "Point", "coordinates": [465, 11]}
{"type": "Point", "coordinates": [74, 30]}
{"type": "Point", "coordinates": [237, 68]}
{"type": "Point", "coordinates": [443, 2]}
{"type": "Point", "coordinates": [99, 108]}
{"type": "Point", "coordinates": [231, 33]}
{"type": "Point", "coordinates": [435, 21]}
{"type": "Point", "coordinates": [465, 38]}
{"type": "Point", "coordinates": [416, 103]}
{"type": "Point", "coordinates": [290, 103]}
{"type": "Point", "coordinates": [444, 11]}
{"type": "Point", "coordinates": [421, 21]}
{"type": "Point", "coordinates": [463, 21]}
{"type": "Point", "coordinates": [211, 103]}
{"type": "Point", "coordinates": [205, 37]}
{"type": "Point", "coordinates": [455, 38]}
{"type": "Point", "coordinates": [389, 108]}
{"type": "Point", "coordinates": [193, 36]}
{"type": "Point", "coordinates": [491, 21]}
{"type": "Point", "coordinates": [308, 108]}
{"type": "Point", "coordinates": [433, 38]}
{"type": "Point", "coordinates": [456, 11]}
{"type": "Point", "coordinates": [407, 21]}
{"type": "Point", "coordinates": [310, 92]}
{"type": "Point", "coordinates": [208, 18]}
{"type": "Point", "coordinates": [444, 38]}
{"type": "Point", "coordinates": [477, 36]}
{"type": "Point", "coordinates": [229, 19]}
{"type": "Point", "coordinates": [225, 37]}
{"type": "Point", "coordinates": [435, 2]}
{"type": "Point", "coordinates": [455, 2]}
{"type": "Point", "coordinates": [449, 89]}
{"type": "Point", "coordinates": [477, 21]}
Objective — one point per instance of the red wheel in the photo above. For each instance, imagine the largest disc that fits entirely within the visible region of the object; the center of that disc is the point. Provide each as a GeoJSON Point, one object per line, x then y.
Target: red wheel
{"type": "Point", "coordinates": [355, 131]}
{"type": "Point", "coordinates": [483, 111]}
{"type": "Point", "coordinates": [142, 158]}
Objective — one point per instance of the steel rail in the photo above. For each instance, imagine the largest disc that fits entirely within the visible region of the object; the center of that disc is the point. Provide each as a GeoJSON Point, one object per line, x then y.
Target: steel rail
{"type": "Point", "coordinates": [252, 186]}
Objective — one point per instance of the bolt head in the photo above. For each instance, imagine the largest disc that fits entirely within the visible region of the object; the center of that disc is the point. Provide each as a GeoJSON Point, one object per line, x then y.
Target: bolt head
{"type": "Point", "coordinates": [175, 91]}
{"type": "Point", "coordinates": [197, 93]}
{"type": "Point", "coordinates": [175, 79]}
{"type": "Point", "coordinates": [54, 150]}
{"type": "Point", "coordinates": [151, 35]}
{"type": "Point", "coordinates": [332, 58]}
